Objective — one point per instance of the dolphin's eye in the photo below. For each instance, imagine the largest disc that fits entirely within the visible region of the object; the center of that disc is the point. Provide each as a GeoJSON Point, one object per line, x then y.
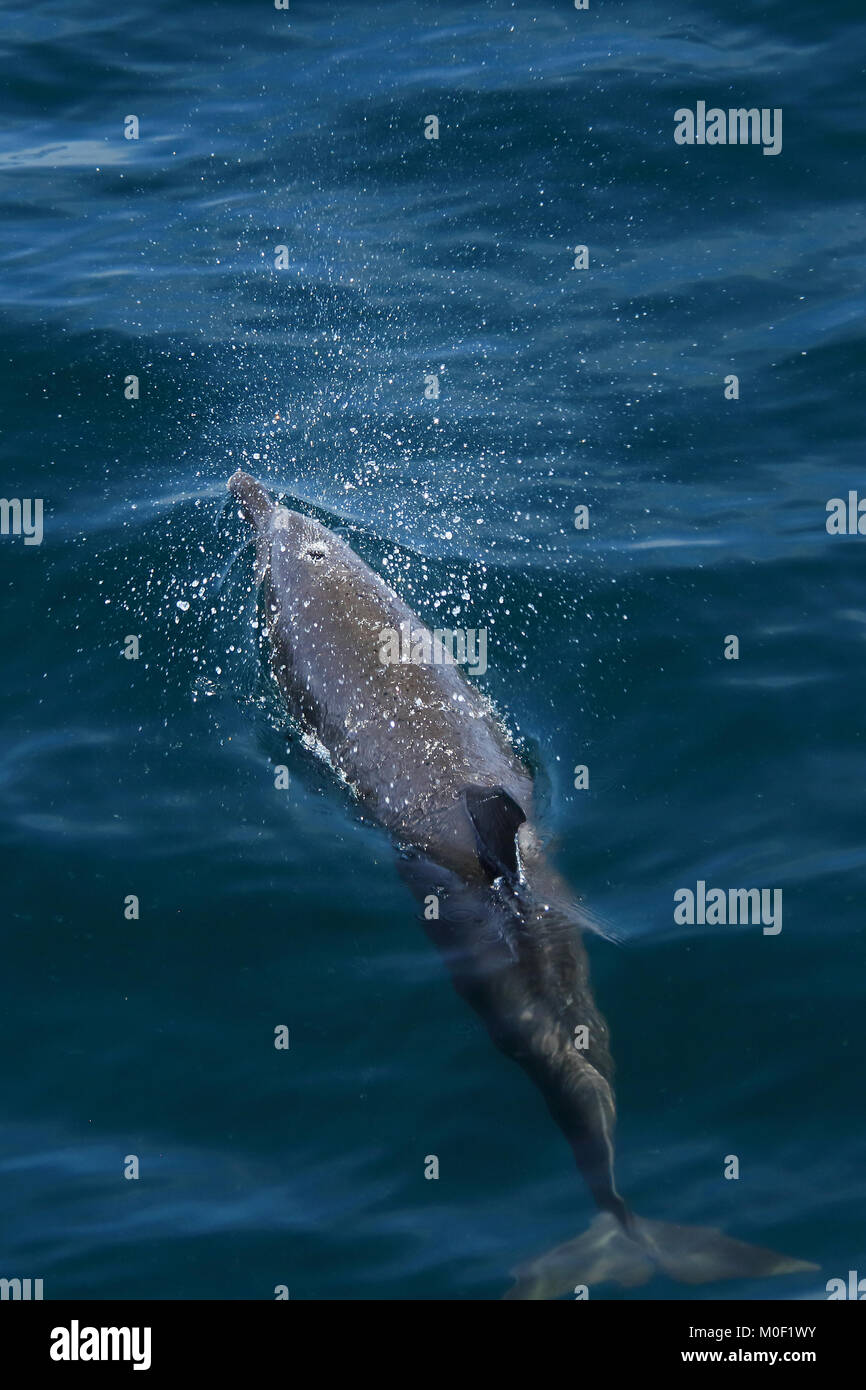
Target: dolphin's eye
{"type": "Point", "coordinates": [316, 553]}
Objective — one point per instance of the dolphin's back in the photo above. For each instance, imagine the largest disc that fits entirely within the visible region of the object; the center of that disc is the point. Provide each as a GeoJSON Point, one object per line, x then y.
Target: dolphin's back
{"type": "Point", "coordinates": [408, 737]}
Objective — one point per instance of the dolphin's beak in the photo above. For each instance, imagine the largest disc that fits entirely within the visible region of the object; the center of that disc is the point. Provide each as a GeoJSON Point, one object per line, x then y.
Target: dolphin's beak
{"type": "Point", "coordinates": [255, 501]}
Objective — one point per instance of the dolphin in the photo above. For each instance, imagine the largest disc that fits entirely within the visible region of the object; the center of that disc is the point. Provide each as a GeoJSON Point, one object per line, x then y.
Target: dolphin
{"type": "Point", "coordinates": [423, 752]}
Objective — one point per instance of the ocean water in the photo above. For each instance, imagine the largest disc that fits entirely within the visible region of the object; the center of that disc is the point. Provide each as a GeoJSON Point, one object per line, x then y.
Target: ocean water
{"type": "Point", "coordinates": [408, 257]}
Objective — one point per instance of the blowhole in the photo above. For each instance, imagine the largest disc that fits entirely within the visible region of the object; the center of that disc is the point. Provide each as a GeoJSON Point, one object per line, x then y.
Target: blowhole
{"type": "Point", "coordinates": [314, 553]}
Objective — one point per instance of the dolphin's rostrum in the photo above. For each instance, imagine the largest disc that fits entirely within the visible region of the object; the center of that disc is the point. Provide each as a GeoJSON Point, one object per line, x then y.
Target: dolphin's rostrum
{"type": "Point", "coordinates": [423, 752]}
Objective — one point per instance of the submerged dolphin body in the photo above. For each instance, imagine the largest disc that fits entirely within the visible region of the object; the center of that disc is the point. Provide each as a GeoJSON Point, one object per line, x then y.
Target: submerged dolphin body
{"type": "Point", "coordinates": [424, 754]}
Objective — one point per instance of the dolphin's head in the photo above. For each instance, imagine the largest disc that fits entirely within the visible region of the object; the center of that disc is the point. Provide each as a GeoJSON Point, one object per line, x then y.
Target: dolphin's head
{"type": "Point", "coordinates": [312, 568]}
{"type": "Point", "coordinates": [301, 540]}
{"type": "Point", "coordinates": [306, 540]}
{"type": "Point", "coordinates": [308, 564]}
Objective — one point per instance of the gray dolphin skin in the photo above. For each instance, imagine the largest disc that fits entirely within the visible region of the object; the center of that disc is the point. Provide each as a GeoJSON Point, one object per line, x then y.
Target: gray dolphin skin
{"type": "Point", "coordinates": [424, 754]}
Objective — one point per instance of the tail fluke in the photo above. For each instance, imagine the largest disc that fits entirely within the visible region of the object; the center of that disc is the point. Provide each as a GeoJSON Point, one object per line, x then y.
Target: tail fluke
{"type": "Point", "coordinates": [688, 1254]}
{"type": "Point", "coordinates": [601, 1254]}
{"type": "Point", "coordinates": [703, 1254]}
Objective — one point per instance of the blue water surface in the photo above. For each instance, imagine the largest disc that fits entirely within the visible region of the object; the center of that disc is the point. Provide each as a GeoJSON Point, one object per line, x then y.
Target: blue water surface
{"type": "Point", "coordinates": [407, 257]}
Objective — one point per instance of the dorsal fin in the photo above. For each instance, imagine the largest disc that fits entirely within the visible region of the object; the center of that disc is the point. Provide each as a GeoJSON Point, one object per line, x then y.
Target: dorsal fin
{"type": "Point", "coordinates": [496, 818]}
